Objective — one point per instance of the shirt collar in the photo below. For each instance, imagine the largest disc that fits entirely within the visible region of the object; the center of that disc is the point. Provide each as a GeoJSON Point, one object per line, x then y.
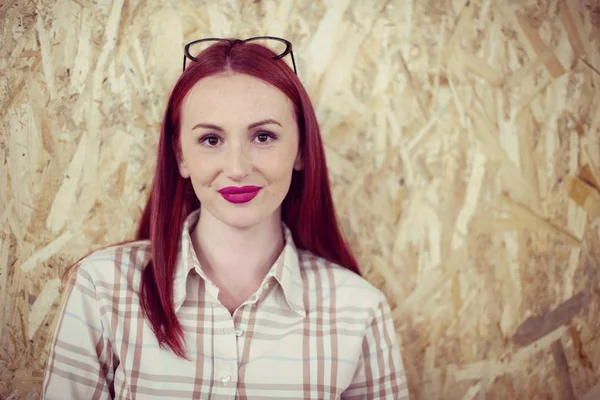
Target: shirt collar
{"type": "Point", "coordinates": [285, 270]}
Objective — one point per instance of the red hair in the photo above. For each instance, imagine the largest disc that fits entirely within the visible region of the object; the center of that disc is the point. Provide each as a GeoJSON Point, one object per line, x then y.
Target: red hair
{"type": "Point", "coordinates": [307, 209]}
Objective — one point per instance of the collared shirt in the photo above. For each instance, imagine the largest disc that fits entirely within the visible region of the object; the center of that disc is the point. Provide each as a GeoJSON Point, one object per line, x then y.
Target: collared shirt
{"type": "Point", "coordinates": [313, 330]}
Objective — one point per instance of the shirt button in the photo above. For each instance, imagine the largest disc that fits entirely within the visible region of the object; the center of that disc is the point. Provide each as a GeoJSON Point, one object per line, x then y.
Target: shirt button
{"type": "Point", "coordinates": [225, 379]}
{"type": "Point", "coordinates": [239, 332]}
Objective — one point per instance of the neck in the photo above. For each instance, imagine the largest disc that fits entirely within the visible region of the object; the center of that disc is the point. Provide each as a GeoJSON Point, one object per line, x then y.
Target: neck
{"type": "Point", "coordinates": [228, 254]}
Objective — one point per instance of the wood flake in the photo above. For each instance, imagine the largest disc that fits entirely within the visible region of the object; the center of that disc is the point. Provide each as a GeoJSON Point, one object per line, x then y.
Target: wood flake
{"type": "Point", "coordinates": [42, 306]}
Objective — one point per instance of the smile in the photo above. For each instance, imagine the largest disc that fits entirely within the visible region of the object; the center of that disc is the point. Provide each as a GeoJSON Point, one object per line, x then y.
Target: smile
{"type": "Point", "coordinates": [239, 195]}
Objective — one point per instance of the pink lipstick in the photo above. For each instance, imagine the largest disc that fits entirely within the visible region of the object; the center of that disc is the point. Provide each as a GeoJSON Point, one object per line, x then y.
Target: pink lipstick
{"type": "Point", "coordinates": [239, 195]}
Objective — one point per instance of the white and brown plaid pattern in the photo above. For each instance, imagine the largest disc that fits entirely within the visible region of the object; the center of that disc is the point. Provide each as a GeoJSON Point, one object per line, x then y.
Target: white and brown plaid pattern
{"type": "Point", "coordinates": [313, 330]}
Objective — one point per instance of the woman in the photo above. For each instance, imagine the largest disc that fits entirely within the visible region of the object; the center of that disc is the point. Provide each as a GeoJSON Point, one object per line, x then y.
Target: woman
{"type": "Point", "coordinates": [254, 294]}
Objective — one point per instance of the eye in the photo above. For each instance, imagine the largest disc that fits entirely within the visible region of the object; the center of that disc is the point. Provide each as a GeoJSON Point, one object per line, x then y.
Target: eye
{"type": "Point", "coordinates": [209, 140]}
{"type": "Point", "coordinates": [264, 137]}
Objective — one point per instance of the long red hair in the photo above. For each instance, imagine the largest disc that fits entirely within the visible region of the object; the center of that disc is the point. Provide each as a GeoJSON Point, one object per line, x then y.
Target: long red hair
{"type": "Point", "coordinates": [307, 209]}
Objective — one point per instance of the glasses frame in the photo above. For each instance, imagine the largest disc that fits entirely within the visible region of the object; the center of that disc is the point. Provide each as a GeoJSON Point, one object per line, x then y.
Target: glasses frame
{"type": "Point", "coordinates": [232, 42]}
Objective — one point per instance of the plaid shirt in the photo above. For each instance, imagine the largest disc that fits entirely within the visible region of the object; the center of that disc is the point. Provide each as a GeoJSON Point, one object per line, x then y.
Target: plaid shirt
{"type": "Point", "coordinates": [313, 330]}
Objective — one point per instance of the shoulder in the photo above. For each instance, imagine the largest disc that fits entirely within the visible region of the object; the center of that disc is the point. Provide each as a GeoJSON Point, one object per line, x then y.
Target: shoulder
{"type": "Point", "coordinates": [348, 288]}
{"type": "Point", "coordinates": [115, 265]}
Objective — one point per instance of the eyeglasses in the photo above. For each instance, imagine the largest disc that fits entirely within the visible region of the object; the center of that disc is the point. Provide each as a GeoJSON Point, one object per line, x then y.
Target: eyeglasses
{"type": "Point", "coordinates": [232, 42]}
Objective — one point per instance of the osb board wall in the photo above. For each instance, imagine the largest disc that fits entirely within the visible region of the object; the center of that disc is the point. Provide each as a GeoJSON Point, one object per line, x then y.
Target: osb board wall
{"type": "Point", "coordinates": [463, 147]}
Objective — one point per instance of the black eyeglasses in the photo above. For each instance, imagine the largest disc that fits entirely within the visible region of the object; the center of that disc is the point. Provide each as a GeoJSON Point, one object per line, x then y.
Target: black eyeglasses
{"type": "Point", "coordinates": [232, 42]}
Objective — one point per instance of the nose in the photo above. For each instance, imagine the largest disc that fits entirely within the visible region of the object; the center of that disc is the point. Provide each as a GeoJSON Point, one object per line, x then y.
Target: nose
{"type": "Point", "coordinates": [237, 162]}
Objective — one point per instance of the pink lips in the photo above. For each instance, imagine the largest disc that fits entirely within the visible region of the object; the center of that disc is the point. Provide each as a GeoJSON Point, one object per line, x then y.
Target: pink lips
{"type": "Point", "coordinates": [239, 195]}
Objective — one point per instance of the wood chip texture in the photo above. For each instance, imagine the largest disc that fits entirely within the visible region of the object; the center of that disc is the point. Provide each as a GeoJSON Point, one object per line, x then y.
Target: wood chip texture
{"type": "Point", "coordinates": [463, 145]}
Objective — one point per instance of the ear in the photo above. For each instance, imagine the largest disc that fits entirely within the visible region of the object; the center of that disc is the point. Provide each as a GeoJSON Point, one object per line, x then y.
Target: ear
{"type": "Point", "coordinates": [299, 163]}
{"type": "Point", "coordinates": [183, 169]}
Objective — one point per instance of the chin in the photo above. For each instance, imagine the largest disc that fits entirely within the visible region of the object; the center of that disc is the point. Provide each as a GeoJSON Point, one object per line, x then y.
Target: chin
{"type": "Point", "coordinates": [242, 220]}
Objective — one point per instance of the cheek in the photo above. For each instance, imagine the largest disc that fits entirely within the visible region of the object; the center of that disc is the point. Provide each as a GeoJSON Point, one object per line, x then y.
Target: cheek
{"type": "Point", "coordinates": [202, 170]}
{"type": "Point", "coordinates": [278, 168]}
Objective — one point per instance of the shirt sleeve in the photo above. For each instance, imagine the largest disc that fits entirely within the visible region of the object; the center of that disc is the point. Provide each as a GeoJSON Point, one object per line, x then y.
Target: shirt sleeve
{"type": "Point", "coordinates": [80, 361]}
{"type": "Point", "coordinates": [380, 371]}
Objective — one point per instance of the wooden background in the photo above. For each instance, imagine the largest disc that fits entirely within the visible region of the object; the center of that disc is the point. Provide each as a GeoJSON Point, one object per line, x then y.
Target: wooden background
{"type": "Point", "coordinates": [463, 142]}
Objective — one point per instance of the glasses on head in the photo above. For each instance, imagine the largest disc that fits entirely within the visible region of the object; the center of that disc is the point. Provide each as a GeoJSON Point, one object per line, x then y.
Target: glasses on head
{"type": "Point", "coordinates": [283, 47]}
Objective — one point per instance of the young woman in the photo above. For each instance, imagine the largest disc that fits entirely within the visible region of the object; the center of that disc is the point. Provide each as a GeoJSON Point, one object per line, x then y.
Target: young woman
{"type": "Point", "coordinates": [240, 284]}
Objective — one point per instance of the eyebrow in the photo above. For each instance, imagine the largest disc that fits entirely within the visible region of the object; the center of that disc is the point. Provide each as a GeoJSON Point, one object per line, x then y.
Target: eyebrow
{"type": "Point", "coordinates": [251, 126]}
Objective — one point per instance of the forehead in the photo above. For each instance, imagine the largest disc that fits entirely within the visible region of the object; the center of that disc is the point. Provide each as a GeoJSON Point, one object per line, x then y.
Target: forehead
{"type": "Point", "coordinates": [235, 95]}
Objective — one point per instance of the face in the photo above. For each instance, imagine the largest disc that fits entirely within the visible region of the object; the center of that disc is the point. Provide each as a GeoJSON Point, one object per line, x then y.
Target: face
{"type": "Point", "coordinates": [239, 145]}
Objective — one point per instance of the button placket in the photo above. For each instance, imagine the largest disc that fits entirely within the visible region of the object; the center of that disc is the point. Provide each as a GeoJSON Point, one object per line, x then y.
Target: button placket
{"type": "Point", "coordinates": [225, 350]}
{"type": "Point", "coordinates": [225, 379]}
